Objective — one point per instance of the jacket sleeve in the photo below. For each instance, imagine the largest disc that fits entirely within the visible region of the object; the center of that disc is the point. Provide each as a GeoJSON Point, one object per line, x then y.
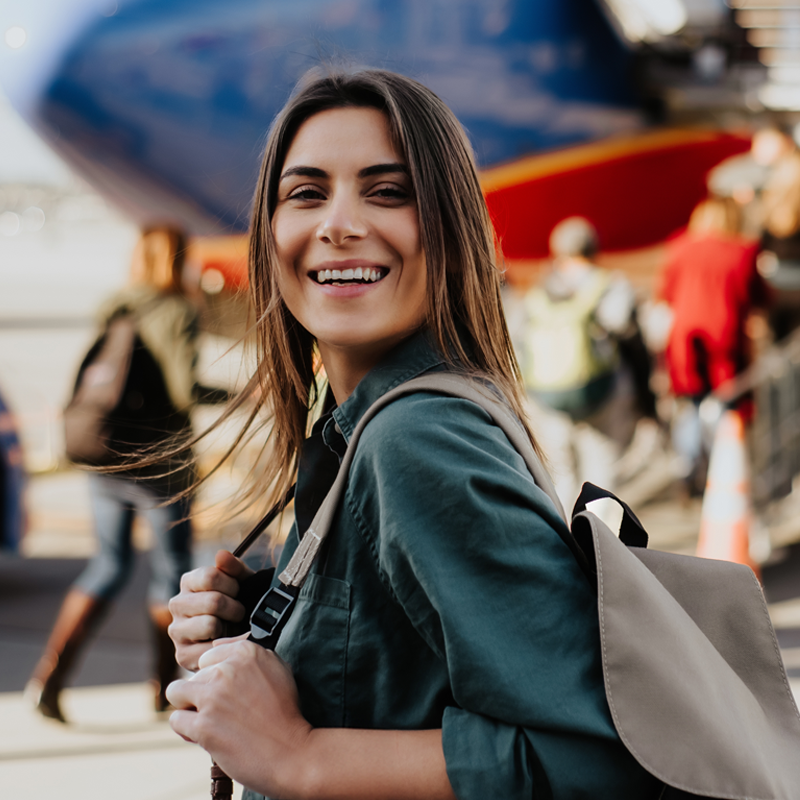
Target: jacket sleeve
{"type": "Point", "coordinates": [469, 547]}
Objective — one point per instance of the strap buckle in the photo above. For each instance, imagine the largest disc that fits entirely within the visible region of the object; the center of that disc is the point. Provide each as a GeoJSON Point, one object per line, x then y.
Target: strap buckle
{"type": "Point", "coordinates": [271, 614]}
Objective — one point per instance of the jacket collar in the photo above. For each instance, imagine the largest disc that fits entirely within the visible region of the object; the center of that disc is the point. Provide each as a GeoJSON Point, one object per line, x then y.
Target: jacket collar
{"type": "Point", "coordinates": [407, 360]}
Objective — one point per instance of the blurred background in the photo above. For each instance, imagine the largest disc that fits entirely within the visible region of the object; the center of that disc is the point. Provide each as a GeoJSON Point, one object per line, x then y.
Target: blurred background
{"type": "Point", "coordinates": [118, 115]}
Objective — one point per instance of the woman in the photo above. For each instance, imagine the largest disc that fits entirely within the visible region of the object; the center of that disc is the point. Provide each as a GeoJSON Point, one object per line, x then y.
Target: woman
{"type": "Point", "coordinates": [446, 643]}
{"type": "Point", "coordinates": [711, 285]}
{"type": "Point", "coordinates": [160, 393]}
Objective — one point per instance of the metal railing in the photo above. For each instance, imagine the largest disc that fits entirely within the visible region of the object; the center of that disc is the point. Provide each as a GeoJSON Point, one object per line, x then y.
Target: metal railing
{"type": "Point", "coordinates": [774, 437]}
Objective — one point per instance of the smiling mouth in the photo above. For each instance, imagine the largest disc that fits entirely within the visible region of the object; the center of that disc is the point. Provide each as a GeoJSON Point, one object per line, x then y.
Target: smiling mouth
{"type": "Point", "coordinates": [349, 276]}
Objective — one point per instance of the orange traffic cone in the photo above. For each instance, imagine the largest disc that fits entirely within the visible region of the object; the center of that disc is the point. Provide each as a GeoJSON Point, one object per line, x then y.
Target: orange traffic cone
{"type": "Point", "coordinates": [726, 514]}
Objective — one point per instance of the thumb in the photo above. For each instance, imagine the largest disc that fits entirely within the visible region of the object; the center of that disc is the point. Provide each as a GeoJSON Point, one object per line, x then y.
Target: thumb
{"type": "Point", "coordinates": [234, 567]}
{"type": "Point", "coordinates": [243, 637]}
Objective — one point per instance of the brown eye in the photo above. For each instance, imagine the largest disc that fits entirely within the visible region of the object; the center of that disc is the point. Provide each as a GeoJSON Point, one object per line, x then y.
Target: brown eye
{"type": "Point", "coordinates": [306, 193]}
{"type": "Point", "coordinates": [391, 192]}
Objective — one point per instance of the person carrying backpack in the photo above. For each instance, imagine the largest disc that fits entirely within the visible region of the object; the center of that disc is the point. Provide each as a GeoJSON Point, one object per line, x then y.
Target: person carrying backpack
{"type": "Point", "coordinates": [157, 390]}
{"type": "Point", "coordinates": [444, 587]}
{"type": "Point", "coordinates": [582, 390]}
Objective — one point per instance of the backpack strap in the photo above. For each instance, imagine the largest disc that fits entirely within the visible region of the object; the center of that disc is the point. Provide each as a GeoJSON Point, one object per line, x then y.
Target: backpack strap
{"type": "Point", "coordinates": [455, 385]}
{"type": "Point", "coordinates": [631, 530]}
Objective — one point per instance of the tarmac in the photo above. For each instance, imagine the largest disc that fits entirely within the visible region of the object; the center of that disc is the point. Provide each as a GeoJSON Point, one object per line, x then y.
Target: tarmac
{"type": "Point", "coordinates": [115, 745]}
{"type": "Point", "coordinates": [114, 748]}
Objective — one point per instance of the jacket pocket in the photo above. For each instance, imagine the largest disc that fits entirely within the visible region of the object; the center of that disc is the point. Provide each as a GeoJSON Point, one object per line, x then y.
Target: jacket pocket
{"type": "Point", "coordinates": [314, 643]}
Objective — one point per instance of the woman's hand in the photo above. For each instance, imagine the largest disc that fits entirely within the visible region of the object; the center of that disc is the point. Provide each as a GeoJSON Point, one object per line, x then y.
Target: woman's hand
{"type": "Point", "coordinates": [205, 603]}
{"type": "Point", "coordinates": [242, 708]}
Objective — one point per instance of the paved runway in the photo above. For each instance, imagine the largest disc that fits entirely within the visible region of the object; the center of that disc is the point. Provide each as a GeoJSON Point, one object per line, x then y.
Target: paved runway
{"type": "Point", "coordinates": [116, 745]}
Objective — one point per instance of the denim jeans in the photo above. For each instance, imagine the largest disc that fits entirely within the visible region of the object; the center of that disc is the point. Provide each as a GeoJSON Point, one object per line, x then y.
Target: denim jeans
{"type": "Point", "coordinates": [115, 503]}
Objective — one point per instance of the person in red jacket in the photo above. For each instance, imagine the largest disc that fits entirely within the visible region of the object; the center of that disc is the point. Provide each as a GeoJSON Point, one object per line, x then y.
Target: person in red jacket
{"type": "Point", "coordinates": [711, 284]}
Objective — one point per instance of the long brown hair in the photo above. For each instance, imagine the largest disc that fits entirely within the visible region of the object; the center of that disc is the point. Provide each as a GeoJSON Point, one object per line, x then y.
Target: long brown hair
{"type": "Point", "coordinates": [464, 314]}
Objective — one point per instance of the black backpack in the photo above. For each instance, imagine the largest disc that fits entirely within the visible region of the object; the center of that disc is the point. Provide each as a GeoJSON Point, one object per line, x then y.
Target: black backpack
{"type": "Point", "coordinates": [120, 403]}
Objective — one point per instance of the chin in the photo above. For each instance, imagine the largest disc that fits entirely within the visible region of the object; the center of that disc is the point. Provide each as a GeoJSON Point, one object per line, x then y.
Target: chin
{"type": "Point", "coordinates": [361, 340]}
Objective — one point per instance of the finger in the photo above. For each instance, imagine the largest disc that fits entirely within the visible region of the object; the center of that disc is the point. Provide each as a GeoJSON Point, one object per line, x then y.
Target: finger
{"type": "Point", "coordinates": [187, 656]}
{"type": "Point", "coordinates": [189, 630]}
{"type": "Point", "coordinates": [209, 579]}
{"type": "Point", "coordinates": [222, 650]}
{"type": "Point", "coordinates": [184, 724]}
{"type": "Point", "coordinates": [182, 694]}
{"type": "Point", "coordinates": [198, 604]}
{"type": "Point", "coordinates": [230, 565]}
{"type": "Point", "coordinates": [242, 637]}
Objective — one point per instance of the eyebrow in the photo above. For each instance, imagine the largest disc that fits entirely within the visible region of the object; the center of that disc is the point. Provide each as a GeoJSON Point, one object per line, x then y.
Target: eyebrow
{"type": "Point", "coordinates": [383, 169]}
{"type": "Point", "coordinates": [367, 172]}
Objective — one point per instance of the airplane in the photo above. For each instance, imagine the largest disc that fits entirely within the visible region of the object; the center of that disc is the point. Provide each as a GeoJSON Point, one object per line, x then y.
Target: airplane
{"type": "Point", "coordinates": [163, 107]}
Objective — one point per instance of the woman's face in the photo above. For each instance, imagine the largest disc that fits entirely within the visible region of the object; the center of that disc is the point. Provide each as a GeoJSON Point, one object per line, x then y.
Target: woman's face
{"type": "Point", "coordinates": [351, 267]}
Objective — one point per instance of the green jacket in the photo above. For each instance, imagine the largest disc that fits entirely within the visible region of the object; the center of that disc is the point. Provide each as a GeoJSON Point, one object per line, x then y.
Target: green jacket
{"type": "Point", "coordinates": [446, 598]}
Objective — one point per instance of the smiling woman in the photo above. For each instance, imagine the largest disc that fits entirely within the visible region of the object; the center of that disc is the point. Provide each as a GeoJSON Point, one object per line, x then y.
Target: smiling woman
{"type": "Point", "coordinates": [351, 216]}
{"type": "Point", "coordinates": [446, 642]}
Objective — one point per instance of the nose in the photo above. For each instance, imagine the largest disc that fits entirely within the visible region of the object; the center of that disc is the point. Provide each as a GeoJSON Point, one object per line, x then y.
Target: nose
{"type": "Point", "coordinates": [342, 220]}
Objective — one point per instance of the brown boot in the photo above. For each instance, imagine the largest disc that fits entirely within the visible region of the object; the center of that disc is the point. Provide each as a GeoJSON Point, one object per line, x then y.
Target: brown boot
{"type": "Point", "coordinates": [165, 667]}
{"type": "Point", "coordinates": [76, 620]}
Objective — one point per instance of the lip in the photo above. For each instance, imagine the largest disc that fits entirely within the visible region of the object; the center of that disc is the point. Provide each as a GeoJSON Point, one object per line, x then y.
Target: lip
{"type": "Point", "coordinates": [345, 292]}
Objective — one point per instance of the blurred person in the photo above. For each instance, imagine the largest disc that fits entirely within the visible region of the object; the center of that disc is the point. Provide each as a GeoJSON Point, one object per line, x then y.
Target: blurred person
{"type": "Point", "coordinates": [166, 324]}
{"type": "Point", "coordinates": [780, 202]}
{"type": "Point", "coordinates": [756, 179]}
{"type": "Point", "coordinates": [711, 285]}
{"type": "Point", "coordinates": [582, 391]}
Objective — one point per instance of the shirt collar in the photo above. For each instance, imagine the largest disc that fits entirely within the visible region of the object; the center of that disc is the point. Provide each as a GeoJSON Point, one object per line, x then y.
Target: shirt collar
{"type": "Point", "coordinates": [407, 360]}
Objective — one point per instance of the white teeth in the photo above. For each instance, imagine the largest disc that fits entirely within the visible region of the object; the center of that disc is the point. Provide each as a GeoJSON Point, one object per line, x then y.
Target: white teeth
{"type": "Point", "coordinates": [369, 274]}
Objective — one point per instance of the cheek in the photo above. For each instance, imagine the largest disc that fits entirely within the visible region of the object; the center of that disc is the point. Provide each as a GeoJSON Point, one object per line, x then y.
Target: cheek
{"type": "Point", "coordinates": [412, 234]}
{"type": "Point", "coordinates": [281, 236]}
{"type": "Point", "coordinates": [290, 234]}
{"type": "Point", "coordinates": [405, 237]}
{"type": "Point", "coordinates": [287, 251]}
{"type": "Point", "coordinates": [289, 289]}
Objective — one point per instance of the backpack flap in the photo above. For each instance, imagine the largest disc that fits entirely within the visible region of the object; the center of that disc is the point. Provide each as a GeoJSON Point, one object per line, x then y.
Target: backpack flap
{"type": "Point", "coordinates": [693, 675]}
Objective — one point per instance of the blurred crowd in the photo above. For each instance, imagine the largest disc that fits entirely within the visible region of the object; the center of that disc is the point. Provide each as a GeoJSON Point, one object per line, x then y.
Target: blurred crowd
{"type": "Point", "coordinates": [613, 376]}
